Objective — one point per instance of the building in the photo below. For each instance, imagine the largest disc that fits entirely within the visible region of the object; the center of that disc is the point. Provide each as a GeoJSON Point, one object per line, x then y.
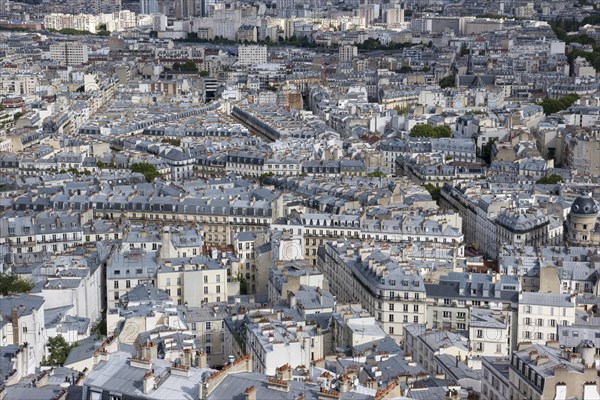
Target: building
{"type": "Point", "coordinates": [495, 374]}
{"type": "Point", "coordinates": [539, 372]}
{"type": "Point", "coordinates": [582, 227]}
{"type": "Point", "coordinates": [119, 376]}
{"type": "Point", "coordinates": [193, 281]}
{"type": "Point", "coordinates": [541, 315]}
{"type": "Point", "coordinates": [252, 55]}
{"type": "Point", "coordinates": [347, 53]}
{"type": "Point", "coordinates": [394, 296]}
{"type": "Point", "coordinates": [149, 7]}
{"type": "Point", "coordinates": [69, 53]}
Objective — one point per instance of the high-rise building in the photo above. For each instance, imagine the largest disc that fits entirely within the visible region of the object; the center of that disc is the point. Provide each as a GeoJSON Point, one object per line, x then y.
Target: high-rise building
{"type": "Point", "coordinates": [149, 6]}
{"type": "Point", "coordinates": [347, 53]}
{"type": "Point", "coordinates": [250, 55]}
{"type": "Point", "coordinates": [69, 53]}
{"type": "Point", "coordinates": [185, 8]}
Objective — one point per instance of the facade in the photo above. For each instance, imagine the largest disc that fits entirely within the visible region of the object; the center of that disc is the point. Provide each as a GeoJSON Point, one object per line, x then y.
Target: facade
{"type": "Point", "coordinates": [582, 225]}
{"type": "Point", "coordinates": [252, 55]}
{"type": "Point", "coordinates": [542, 314]}
{"type": "Point", "coordinates": [541, 372]}
{"type": "Point", "coordinates": [395, 297]}
{"type": "Point", "coordinates": [69, 53]}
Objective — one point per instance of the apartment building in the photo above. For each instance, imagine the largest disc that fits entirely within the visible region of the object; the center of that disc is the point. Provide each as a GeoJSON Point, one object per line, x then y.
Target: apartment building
{"type": "Point", "coordinates": [207, 325]}
{"type": "Point", "coordinates": [541, 372]}
{"type": "Point", "coordinates": [394, 296]}
{"type": "Point", "coordinates": [494, 383]}
{"type": "Point", "coordinates": [252, 55]}
{"type": "Point", "coordinates": [273, 343]}
{"type": "Point", "coordinates": [44, 232]}
{"type": "Point", "coordinates": [450, 302]}
{"type": "Point", "coordinates": [193, 281]}
{"type": "Point", "coordinates": [126, 269]}
{"type": "Point", "coordinates": [69, 53]}
{"type": "Point", "coordinates": [542, 314]}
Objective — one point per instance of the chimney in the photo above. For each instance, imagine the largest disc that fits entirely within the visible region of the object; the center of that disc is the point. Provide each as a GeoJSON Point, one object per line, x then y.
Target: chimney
{"type": "Point", "coordinates": [149, 382]}
{"type": "Point", "coordinates": [150, 350]}
{"type": "Point", "coordinates": [250, 393]}
{"type": "Point", "coordinates": [100, 355]}
{"type": "Point", "coordinates": [201, 359]}
{"type": "Point", "coordinates": [14, 316]}
{"type": "Point", "coordinates": [186, 359]}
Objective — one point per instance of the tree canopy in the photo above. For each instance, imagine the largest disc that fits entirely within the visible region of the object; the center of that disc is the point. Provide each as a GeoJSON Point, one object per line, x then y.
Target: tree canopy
{"type": "Point", "coordinates": [550, 180]}
{"type": "Point", "coordinates": [59, 350]}
{"type": "Point", "coordinates": [552, 106]}
{"type": "Point", "coordinates": [424, 130]}
{"type": "Point", "coordinates": [148, 170]}
{"type": "Point", "coordinates": [13, 284]}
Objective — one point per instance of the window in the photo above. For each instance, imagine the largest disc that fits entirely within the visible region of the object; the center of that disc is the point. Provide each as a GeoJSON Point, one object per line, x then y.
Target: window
{"type": "Point", "coordinates": [479, 333]}
{"type": "Point", "coordinates": [405, 318]}
{"type": "Point", "coordinates": [405, 307]}
{"type": "Point", "coordinates": [116, 284]}
{"type": "Point", "coordinates": [498, 347]}
{"type": "Point", "coordinates": [207, 325]}
{"type": "Point", "coordinates": [218, 288]}
{"type": "Point", "coordinates": [205, 279]}
{"type": "Point", "coordinates": [391, 330]}
{"type": "Point", "coordinates": [527, 335]}
{"type": "Point", "coordinates": [447, 314]}
{"type": "Point", "coordinates": [540, 322]}
{"type": "Point", "coordinates": [416, 308]}
{"type": "Point", "coordinates": [205, 290]}
{"type": "Point", "coordinates": [208, 350]}
{"type": "Point", "coordinates": [391, 306]}
{"type": "Point", "coordinates": [208, 338]}
{"type": "Point", "coordinates": [127, 283]}
{"type": "Point", "coordinates": [539, 335]}
{"type": "Point", "coordinates": [391, 317]}
{"type": "Point", "coordinates": [416, 319]}
{"type": "Point", "coordinates": [479, 347]}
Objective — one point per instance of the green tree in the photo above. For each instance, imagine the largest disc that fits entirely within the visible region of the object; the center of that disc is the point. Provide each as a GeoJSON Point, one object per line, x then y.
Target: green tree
{"type": "Point", "coordinates": [433, 190]}
{"type": "Point", "coordinates": [552, 106]}
{"type": "Point", "coordinates": [486, 151]}
{"type": "Point", "coordinates": [550, 180]}
{"type": "Point", "coordinates": [405, 68]}
{"type": "Point", "coordinates": [204, 73]}
{"type": "Point", "coordinates": [59, 350]}
{"type": "Point", "coordinates": [448, 81]}
{"type": "Point", "coordinates": [148, 170]}
{"type": "Point", "coordinates": [425, 130]}
{"type": "Point", "coordinates": [264, 176]}
{"type": "Point", "coordinates": [376, 174]}
{"type": "Point", "coordinates": [13, 284]}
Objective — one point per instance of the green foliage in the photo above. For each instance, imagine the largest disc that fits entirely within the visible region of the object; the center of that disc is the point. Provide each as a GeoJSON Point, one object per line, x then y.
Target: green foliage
{"type": "Point", "coordinates": [13, 284]}
{"type": "Point", "coordinates": [448, 81]}
{"type": "Point", "coordinates": [376, 174]}
{"type": "Point", "coordinates": [405, 68]}
{"type": "Point", "coordinates": [59, 351]}
{"type": "Point", "coordinates": [401, 110]}
{"type": "Point", "coordinates": [264, 176]}
{"type": "Point", "coordinates": [433, 190]}
{"type": "Point", "coordinates": [148, 170]}
{"type": "Point", "coordinates": [71, 31]}
{"type": "Point", "coordinates": [172, 142]}
{"type": "Point", "coordinates": [550, 180]}
{"type": "Point", "coordinates": [18, 115]}
{"type": "Point", "coordinates": [375, 44]}
{"type": "Point", "coordinates": [186, 66]}
{"type": "Point", "coordinates": [102, 164]}
{"type": "Point", "coordinates": [552, 106]}
{"type": "Point", "coordinates": [424, 130]}
{"type": "Point", "coordinates": [243, 284]}
{"type": "Point", "coordinates": [204, 73]}
{"type": "Point", "coordinates": [464, 50]}
{"type": "Point", "coordinates": [486, 151]}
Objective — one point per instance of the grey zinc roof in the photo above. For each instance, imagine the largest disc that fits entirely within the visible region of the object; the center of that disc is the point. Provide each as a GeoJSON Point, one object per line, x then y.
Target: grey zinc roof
{"type": "Point", "coordinates": [233, 387]}
{"type": "Point", "coordinates": [546, 299]}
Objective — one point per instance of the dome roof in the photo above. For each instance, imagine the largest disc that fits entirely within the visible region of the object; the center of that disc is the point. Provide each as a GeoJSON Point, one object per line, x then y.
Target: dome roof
{"type": "Point", "coordinates": [584, 205]}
